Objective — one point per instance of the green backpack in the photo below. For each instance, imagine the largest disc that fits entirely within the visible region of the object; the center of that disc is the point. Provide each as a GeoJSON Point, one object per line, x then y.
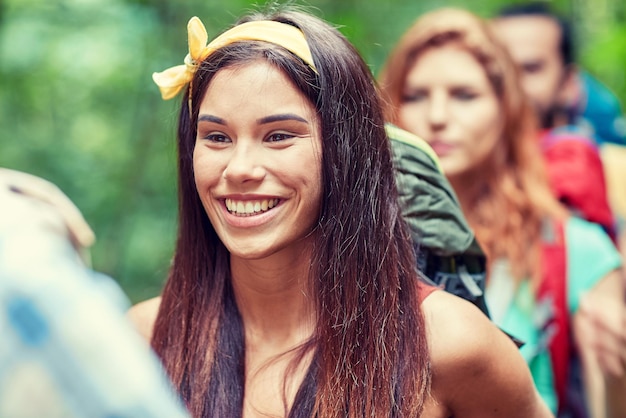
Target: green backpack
{"type": "Point", "coordinates": [448, 254]}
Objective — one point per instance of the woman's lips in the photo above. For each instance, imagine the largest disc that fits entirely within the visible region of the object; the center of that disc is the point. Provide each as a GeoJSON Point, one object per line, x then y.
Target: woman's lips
{"type": "Point", "coordinates": [442, 147]}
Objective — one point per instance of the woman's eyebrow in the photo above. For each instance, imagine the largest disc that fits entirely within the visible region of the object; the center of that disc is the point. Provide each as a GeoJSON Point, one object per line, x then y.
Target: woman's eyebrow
{"type": "Point", "coordinates": [281, 117]}
{"type": "Point", "coordinates": [211, 118]}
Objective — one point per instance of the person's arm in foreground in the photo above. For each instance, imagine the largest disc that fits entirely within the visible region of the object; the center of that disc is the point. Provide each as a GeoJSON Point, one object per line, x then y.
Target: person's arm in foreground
{"type": "Point", "coordinates": [600, 336]}
{"type": "Point", "coordinates": [477, 370]}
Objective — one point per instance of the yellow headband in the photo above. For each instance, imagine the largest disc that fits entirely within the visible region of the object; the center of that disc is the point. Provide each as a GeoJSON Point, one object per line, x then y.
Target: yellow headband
{"type": "Point", "coordinates": [172, 80]}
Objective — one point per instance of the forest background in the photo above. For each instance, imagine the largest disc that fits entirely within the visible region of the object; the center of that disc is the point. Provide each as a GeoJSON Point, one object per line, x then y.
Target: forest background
{"type": "Point", "coordinates": [78, 106]}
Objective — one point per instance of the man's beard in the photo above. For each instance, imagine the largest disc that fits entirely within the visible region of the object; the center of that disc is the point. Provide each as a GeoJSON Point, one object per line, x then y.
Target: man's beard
{"type": "Point", "coordinates": [557, 115]}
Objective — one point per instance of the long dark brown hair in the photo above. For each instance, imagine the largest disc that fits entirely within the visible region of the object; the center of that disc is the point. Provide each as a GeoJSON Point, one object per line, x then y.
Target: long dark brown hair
{"type": "Point", "coordinates": [370, 356]}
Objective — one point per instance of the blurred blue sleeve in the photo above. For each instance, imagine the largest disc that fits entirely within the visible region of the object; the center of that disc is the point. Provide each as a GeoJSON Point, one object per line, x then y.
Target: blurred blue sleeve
{"type": "Point", "coordinates": [67, 348]}
{"type": "Point", "coordinates": [601, 111]}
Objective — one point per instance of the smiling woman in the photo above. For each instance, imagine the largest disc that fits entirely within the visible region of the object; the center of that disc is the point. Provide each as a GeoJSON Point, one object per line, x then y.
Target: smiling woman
{"type": "Point", "coordinates": [257, 162]}
{"type": "Point", "coordinates": [293, 290]}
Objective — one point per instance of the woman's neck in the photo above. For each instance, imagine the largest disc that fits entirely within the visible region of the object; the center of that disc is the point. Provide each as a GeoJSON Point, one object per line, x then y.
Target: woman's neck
{"type": "Point", "coordinates": [273, 301]}
{"type": "Point", "coordinates": [278, 317]}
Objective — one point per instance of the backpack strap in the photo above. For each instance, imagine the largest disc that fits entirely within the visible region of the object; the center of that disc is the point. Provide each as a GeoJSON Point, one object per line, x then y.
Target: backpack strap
{"type": "Point", "coordinates": [553, 291]}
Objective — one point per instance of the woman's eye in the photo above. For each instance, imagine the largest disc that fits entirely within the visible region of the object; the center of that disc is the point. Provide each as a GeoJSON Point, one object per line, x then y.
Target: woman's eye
{"type": "Point", "coordinates": [278, 137]}
{"type": "Point", "coordinates": [414, 97]}
{"type": "Point", "coordinates": [216, 137]}
{"type": "Point", "coordinates": [464, 95]}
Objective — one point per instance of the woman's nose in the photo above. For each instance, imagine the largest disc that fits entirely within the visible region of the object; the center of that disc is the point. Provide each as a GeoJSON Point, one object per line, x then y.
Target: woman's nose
{"type": "Point", "coordinates": [245, 164]}
{"type": "Point", "coordinates": [437, 112]}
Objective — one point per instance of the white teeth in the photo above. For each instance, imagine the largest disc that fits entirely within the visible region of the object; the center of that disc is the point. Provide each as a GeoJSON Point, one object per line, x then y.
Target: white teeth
{"type": "Point", "coordinates": [249, 207]}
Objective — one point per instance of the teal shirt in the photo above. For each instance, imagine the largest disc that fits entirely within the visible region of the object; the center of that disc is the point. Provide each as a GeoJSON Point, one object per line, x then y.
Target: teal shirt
{"type": "Point", "coordinates": [590, 256]}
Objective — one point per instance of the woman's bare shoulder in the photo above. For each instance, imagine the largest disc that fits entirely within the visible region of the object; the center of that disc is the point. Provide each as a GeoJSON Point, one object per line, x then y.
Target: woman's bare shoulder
{"type": "Point", "coordinates": [477, 369]}
{"type": "Point", "coordinates": [143, 315]}
{"type": "Point", "coordinates": [457, 330]}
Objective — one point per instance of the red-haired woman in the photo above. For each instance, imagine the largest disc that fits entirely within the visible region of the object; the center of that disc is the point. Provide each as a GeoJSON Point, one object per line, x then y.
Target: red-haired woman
{"type": "Point", "coordinates": [451, 83]}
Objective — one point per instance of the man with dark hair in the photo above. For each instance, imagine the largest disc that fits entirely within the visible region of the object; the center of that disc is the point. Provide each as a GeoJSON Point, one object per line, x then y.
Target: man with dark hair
{"type": "Point", "coordinates": [542, 44]}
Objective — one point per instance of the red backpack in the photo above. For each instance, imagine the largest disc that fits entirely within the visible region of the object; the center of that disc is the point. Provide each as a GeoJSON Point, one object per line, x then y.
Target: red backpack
{"type": "Point", "coordinates": [557, 330]}
{"type": "Point", "coordinates": [576, 175]}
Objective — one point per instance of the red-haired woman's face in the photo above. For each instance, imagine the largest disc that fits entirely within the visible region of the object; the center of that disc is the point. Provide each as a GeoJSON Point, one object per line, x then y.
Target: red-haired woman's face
{"type": "Point", "coordinates": [257, 161]}
{"type": "Point", "coordinates": [448, 100]}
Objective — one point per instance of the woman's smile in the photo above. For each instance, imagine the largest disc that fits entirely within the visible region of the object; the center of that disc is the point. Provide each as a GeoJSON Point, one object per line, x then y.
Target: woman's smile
{"type": "Point", "coordinates": [250, 207]}
{"type": "Point", "coordinates": [257, 161]}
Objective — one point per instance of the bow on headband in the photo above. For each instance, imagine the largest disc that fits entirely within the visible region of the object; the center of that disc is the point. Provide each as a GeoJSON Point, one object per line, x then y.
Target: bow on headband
{"type": "Point", "coordinates": [172, 80]}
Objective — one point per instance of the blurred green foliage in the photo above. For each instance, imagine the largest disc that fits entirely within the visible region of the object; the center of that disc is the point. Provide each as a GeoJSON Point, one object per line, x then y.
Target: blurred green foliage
{"type": "Point", "coordinates": [78, 106]}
